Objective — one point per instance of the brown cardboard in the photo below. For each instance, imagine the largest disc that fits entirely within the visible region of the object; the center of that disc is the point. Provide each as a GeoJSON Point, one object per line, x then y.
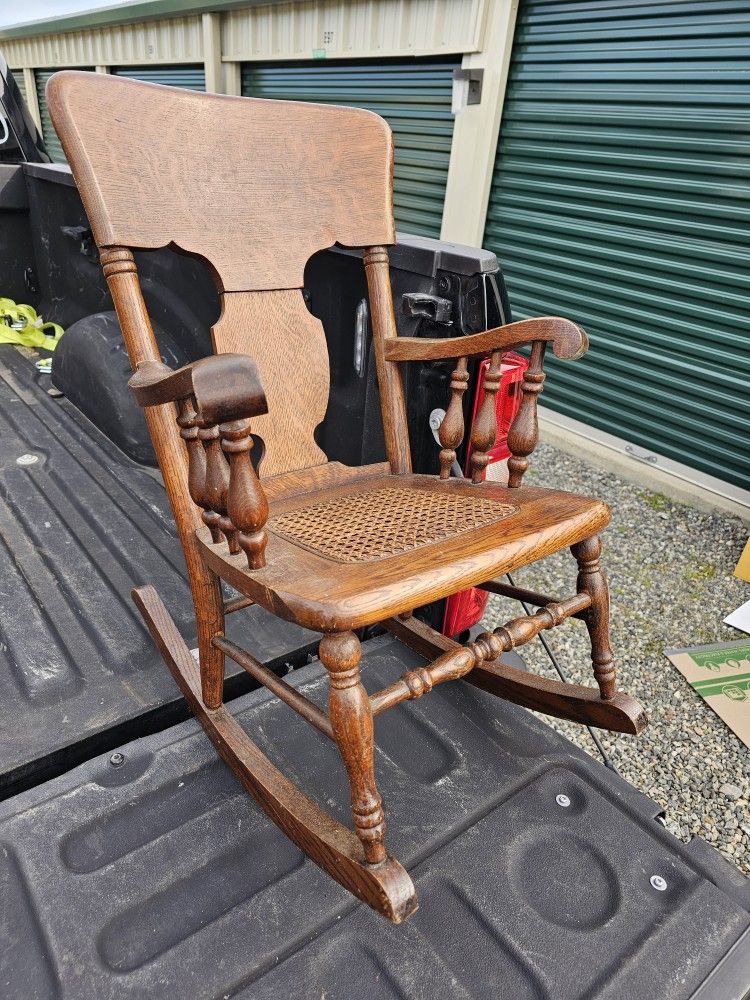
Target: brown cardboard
{"type": "Point", "coordinates": [720, 674]}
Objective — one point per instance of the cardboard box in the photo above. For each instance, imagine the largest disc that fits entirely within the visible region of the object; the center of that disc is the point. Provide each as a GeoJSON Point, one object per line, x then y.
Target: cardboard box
{"type": "Point", "coordinates": [720, 674]}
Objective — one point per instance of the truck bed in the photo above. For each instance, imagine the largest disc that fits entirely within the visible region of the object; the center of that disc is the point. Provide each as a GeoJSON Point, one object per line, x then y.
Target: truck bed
{"type": "Point", "coordinates": [81, 526]}
{"type": "Point", "coordinates": [161, 877]}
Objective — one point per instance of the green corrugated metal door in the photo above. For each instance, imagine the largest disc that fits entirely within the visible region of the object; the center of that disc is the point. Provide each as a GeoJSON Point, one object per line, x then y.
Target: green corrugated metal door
{"type": "Point", "coordinates": [414, 97]}
{"type": "Point", "coordinates": [49, 135]}
{"type": "Point", "coordinates": [620, 199]}
{"type": "Point", "coordinates": [189, 77]}
{"type": "Point", "coordinates": [20, 81]}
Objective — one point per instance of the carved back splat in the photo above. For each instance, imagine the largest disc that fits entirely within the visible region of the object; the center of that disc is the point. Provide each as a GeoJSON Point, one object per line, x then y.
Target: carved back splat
{"type": "Point", "coordinates": [288, 345]}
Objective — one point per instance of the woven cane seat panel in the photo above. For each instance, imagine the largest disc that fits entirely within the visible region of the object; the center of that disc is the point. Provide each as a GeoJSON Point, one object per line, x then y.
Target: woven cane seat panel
{"type": "Point", "coordinates": [374, 524]}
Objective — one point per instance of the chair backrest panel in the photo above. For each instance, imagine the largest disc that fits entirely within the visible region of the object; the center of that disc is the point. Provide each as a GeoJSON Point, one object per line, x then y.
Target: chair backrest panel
{"type": "Point", "coordinates": [254, 186]}
{"type": "Point", "coordinates": [288, 345]}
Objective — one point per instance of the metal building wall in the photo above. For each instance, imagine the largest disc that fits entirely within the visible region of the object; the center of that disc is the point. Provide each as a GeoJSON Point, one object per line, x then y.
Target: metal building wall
{"type": "Point", "coordinates": [353, 29]}
{"type": "Point", "coordinates": [349, 28]}
{"type": "Point", "coordinates": [18, 77]}
{"type": "Point", "coordinates": [51, 140]}
{"type": "Point", "coordinates": [189, 77]}
{"type": "Point", "coordinates": [619, 199]}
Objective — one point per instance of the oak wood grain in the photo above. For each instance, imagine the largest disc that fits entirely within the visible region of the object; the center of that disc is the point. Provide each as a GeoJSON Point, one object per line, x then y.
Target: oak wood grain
{"type": "Point", "coordinates": [121, 274]}
{"type": "Point", "coordinates": [288, 345]}
{"type": "Point", "coordinates": [301, 586]}
{"type": "Point", "coordinates": [569, 342]}
{"type": "Point", "coordinates": [575, 702]}
{"type": "Point", "coordinates": [253, 186]}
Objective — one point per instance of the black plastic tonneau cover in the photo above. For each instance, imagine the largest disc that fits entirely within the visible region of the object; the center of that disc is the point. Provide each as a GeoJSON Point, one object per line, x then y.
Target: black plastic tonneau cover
{"type": "Point", "coordinates": [161, 877]}
{"type": "Point", "coordinates": [80, 526]}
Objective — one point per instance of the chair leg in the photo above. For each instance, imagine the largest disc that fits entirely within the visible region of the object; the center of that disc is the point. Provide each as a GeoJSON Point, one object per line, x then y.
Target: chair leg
{"type": "Point", "coordinates": [592, 581]}
{"type": "Point", "coordinates": [351, 720]}
{"type": "Point", "coordinates": [209, 616]}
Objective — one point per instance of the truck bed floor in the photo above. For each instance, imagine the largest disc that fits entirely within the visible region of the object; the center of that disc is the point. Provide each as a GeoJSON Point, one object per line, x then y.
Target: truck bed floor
{"type": "Point", "coordinates": [80, 526]}
{"type": "Point", "coordinates": [162, 878]}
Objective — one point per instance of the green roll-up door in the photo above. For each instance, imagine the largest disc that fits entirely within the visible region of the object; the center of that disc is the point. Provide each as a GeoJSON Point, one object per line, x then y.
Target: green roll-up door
{"type": "Point", "coordinates": [414, 97]}
{"type": "Point", "coordinates": [189, 77]}
{"type": "Point", "coordinates": [20, 81]}
{"type": "Point", "coordinates": [49, 135]}
{"type": "Point", "coordinates": [621, 200]}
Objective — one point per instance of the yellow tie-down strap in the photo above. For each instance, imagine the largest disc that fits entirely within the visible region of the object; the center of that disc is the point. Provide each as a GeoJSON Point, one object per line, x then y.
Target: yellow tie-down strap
{"type": "Point", "coordinates": [20, 324]}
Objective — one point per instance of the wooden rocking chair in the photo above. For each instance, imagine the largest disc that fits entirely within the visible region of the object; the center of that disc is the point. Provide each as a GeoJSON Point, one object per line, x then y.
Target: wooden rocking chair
{"type": "Point", "coordinates": [255, 188]}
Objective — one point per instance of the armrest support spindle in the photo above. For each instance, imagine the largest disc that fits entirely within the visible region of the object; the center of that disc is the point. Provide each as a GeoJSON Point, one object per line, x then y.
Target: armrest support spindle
{"type": "Point", "coordinates": [189, 432]}
{"type": "Point", "coordinates": [484, 431]}
{"type": "Point", "coordinates": [217, 485]}
{"type": "Point", "coordinates": [451, 431]}
{"type": "Point", "coordinates": [523, 435]}
{"type": "Point", "coordinates": [246, 503]}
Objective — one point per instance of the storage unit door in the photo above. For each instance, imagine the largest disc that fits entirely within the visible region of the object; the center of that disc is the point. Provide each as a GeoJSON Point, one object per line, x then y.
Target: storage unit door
{"type": "Point", "coordinates": [49, 135]}
{"type": "Point", "coordinates": [189, 77]}
{"type": "Point", "coordinates": [620, 200]}
{"type": "Point", "coordinates": [414, 97]}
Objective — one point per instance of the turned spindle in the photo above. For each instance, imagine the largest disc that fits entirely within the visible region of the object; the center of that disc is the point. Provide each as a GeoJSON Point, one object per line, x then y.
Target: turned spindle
{"type": "Point", "coordinates": [484, 431]}
{"type": "Point", "coordinates": [188, 424]}
{"type": "Point", "coordinates": [217, 484]}
{"type": "Point", "coordinates": [524, 431]}
{"type": "Point", "coordinates": [246, 502]}
{"type": "Point", "coordinates": [451, 431]}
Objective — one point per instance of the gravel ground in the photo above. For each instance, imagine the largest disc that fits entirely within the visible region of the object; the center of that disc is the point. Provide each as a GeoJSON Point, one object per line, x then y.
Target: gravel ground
{"type": "Point", "coordinates": [670, 570]}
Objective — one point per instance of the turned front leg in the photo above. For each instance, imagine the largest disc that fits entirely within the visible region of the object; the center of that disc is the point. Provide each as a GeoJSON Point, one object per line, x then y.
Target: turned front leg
{"type": "Point", "coordinates": [592, 581]}
{"type": "Point", "coordinates": [351, 720]}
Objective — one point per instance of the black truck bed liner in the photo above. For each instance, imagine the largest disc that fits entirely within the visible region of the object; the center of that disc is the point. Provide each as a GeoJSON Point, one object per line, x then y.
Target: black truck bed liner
{"type": "Point", "coordinates": [80, 526]}
{"type": "Point", "coordinates": [162, 878]}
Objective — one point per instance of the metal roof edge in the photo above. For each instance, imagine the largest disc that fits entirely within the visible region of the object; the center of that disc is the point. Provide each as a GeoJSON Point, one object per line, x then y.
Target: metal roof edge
{"type": "Point", "coordinates": [136, 10]}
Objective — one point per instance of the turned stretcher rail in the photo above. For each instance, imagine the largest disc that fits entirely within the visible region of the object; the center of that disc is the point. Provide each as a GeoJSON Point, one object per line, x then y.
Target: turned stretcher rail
{"type": "Point", "coordinates": [458, 661]}
{"type": "Point", "coordinates": [302, 705]}
{"type": "Point", "coordinates": [237, 604]}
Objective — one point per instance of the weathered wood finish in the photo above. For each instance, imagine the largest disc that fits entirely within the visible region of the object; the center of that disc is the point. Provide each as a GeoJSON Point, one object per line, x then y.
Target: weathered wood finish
{"type": "Point", "coordinates": [523, 435]}
{"type": "Point", "coordinates": [288, 345]}
{"type": "Point", "coordinates": [169, 169]}
{"type": "Point", "coordinates": [311, 590]}
{"type": "Point", "coordinates": [385, 334]}
{"type": "Point", "coordinates": [569, 342]}
{"type": "Point", "coordinates": [350, 713]}
{"type": "Point", "coordinates": [120, 271]}
{"type": "Point", "coordinates": [302, 705]}
{"type": "Point", "coordinates": [574, 702]}
{"type": "Point", "coordinates": [247, 506]}
{"type": "Point", "coordinates": [484, 431]}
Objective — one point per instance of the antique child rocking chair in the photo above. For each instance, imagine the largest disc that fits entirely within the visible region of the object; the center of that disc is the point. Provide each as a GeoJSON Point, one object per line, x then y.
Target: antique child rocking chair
{"type": "Point", "coordinates": [255, 188]}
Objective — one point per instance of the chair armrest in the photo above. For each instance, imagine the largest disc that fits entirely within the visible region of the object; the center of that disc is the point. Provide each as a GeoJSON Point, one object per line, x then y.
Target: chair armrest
{"type": "Point", "coordinates": [569, 341]}
{"type": "Point", "coordinates": [216, 397]}
{"type": "Point", "coordinates": [225, 387]}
